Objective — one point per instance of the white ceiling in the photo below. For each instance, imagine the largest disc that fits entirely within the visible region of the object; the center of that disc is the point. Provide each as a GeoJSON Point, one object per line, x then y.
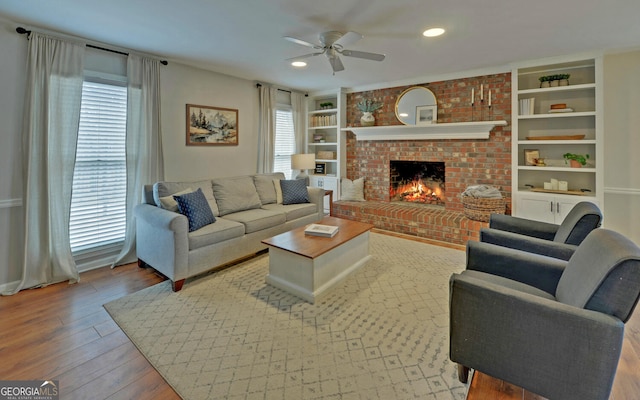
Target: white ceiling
{"type": "Point", "coordinates": [243, 38]}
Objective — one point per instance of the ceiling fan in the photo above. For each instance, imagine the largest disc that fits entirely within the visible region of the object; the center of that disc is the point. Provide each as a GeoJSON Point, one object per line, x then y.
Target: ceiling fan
{"type": "Point", "coordinates": [332, 44]}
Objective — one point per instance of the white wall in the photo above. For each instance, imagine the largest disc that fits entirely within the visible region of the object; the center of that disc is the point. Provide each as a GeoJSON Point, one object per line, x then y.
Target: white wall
{"type": "Point", "coordinates": [622, 143]}
{"type": "Point", "coordinates": [181, 84]}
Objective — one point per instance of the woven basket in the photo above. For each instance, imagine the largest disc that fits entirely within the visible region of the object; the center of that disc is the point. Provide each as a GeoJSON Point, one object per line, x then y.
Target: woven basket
{"type": "Point", "coordinates": [479, 209]}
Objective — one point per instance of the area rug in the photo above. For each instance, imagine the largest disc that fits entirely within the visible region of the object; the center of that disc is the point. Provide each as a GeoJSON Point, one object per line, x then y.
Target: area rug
{"type": "Point", "coordinates": [381, 334]}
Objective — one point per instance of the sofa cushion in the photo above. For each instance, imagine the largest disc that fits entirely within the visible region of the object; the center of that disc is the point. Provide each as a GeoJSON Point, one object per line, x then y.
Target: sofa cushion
{"type": "Point", "coordinates": [293, 211]}
{"type": "Point", "coordinates": [294, 191]}
{"type": "Point", "coordinates": [164, 189]}
{"type": "Point", "coordinates": [257, 219]}
{"type": "Point", "coordinates": [235, 194]}
{"type": "Point", "coordinates": [215, 233]}
{"type": "Point", "coordinates": [352, 190]}
{"type": "Point", "coordinates": [265, 187]}
{"type": "Point", "coordinates": [169, 203]}
{"type": "Point", "coordinates": [278, 188]}
{"type": "Point", "coordinates": [195, 207]}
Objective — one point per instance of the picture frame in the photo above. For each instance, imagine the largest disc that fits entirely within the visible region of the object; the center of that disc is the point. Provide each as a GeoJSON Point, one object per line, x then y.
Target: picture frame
{"type": "Point", "coordinates": [211, 126]}
{"type": "Point", "coordinates": [426, 115]}
{"type": "Point", "coordinates": [531, 157]}
{"type": "Point", "coordinates": [320, 169]}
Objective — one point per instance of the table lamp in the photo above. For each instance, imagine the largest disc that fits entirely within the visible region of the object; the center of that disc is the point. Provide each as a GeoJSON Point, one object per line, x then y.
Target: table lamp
{"type": "Point", "coordinates": [303, 162]}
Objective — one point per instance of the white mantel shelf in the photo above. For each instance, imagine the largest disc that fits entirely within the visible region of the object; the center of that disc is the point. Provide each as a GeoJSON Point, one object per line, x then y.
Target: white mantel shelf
{"type": "Point", "coordinates": [456, 130]}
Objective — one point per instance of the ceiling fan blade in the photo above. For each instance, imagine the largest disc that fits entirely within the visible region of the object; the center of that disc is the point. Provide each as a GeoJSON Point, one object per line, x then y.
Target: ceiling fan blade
{"type": "Point", "coordinates": [304, 56]}
{"type": "Point", "coordinates": [336, 64]}
{"type": "Point", "coordinates": [302, 42]}
{"type": "Point", "coordinates": [363, 54]}
{"type": "Point", "coordinates": [348, 39]}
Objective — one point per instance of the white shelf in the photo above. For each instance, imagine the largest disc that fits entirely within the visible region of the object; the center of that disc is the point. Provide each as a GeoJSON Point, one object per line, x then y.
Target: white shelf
{"type": "Point", "coordinates": [327, 111]}
{"type": "Point", "coordinates": [323, 144]}
{"type": "Point", "coordinates": [537, 142]}
{"type": "Point", "coordinates": [569, 88]}
{"type": "Point", "coordinates": [563, 169]}
{"type": "Point", "coordinates": [322, 127]}
{"type": "Point", "coordinates": [559, 115]}
{"type": "Point", "coordinates": [458, 130]}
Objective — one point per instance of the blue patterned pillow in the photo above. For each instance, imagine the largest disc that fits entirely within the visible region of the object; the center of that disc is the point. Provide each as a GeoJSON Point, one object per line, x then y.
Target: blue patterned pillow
{"type": "Point", "coordinates": [294, 191]}
{"type": "Point", "coordinates": [194, 206]}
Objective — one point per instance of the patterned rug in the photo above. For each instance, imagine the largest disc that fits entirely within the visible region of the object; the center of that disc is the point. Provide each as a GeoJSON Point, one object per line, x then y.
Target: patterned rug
{"type": "Point", "coordinates": [381, 334]}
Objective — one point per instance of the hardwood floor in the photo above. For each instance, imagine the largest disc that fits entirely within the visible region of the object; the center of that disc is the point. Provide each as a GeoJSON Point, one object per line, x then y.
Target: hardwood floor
{"type": "Point", "coordinates": [63, 333]}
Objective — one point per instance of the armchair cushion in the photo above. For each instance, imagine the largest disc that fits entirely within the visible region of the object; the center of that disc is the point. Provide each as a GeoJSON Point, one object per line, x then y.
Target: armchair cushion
{"type": "Point", "coordinates": [527, 243]}
{"type": "Point", "coordinates": [603, 275]}
{"type": "Point", "coordinates": [523, 226]}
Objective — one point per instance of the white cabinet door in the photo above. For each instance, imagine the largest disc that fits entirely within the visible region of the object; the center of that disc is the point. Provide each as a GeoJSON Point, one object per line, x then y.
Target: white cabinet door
{"type": "Point", "coordinates": [552, 209]}
{"type": "Point", "coordinates": [536, 208]}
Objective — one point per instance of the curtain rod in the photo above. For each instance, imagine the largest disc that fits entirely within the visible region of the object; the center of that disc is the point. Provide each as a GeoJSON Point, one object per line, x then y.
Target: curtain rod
{"type": "Point", "coordinates": [282, 90]}
{"type": "Point", "coordinates": [23, 31]}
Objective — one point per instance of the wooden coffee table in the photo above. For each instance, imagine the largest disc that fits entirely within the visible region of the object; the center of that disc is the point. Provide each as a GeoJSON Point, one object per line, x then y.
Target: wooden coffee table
{"type": "Point", "coordinates": [307, 266]}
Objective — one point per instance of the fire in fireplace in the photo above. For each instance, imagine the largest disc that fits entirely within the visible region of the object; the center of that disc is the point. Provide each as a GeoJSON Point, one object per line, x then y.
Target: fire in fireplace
{"type": "Point", "coordinates": [417, 182]}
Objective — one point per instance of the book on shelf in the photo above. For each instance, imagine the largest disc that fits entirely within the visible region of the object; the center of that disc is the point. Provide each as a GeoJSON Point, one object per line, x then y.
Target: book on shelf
{"type": "Point", "coordinates": [321, 230]}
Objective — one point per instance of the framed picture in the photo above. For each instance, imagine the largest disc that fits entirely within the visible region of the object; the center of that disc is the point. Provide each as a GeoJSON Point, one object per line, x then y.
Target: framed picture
{"type": "Point", "coordinates": [321, 168]}
{"type": "Point", "coordinates": [426, 115]}
{"type": "Point", "coordinates": [211, 126]}
{"type": "Point", "coordinates": [531, 157]}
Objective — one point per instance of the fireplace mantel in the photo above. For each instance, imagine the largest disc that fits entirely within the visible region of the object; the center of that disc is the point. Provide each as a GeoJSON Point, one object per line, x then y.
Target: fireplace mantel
{"type": "Point", "coordinates": [456, 130]}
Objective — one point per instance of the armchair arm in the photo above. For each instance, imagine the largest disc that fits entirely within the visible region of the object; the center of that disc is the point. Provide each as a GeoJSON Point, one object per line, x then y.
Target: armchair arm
{"type": "Point", "coordinates": [535, 270]}
{"type": "Point", "coordinates": [539, 229]}
{"type": "Point", "coordinates": [530, 244]}
{"type": "Point", "coordinates": [162, 240]}
{"type": "Point", "coordinates": [550, 348]}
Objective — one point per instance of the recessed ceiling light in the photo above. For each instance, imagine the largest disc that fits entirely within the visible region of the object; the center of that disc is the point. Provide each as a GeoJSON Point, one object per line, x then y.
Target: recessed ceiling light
{"type": "Point", "coordinates": [299, 64]}
{"type": "Point", "coordinates": [433, 32]}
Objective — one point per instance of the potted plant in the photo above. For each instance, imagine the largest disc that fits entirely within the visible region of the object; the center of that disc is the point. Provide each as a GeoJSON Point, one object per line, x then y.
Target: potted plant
{"type": "Point", "coordinates": [576, 160]}
{"type": "Point", "coordinates": [563, 79]}
{"type": "Point", "coordinates": [368, 107]}
{"type": "Point", "coordinates": [544, 81]}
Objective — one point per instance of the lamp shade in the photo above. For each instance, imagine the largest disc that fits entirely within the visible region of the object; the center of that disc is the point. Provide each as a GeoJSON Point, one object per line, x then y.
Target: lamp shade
{"type": "Point", "coordinates": [303, 161]}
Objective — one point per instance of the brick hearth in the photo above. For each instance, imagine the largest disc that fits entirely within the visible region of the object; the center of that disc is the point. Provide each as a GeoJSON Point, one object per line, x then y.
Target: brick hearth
{"type": "Point", "coordinates": [467, 162]}
{"type": "Point", "coordinates": [431, 222]}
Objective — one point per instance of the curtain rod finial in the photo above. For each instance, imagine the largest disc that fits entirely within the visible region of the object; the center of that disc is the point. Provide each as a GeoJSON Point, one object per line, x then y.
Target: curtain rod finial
{"type": "Point", "coordinates": [22, 31]}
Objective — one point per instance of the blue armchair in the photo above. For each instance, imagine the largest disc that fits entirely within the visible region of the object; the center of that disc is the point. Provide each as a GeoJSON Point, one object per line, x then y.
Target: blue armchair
{"type": "Point", "coordinates": [550, 326]}
{"type": "Point", "coordinates": [559, 241]}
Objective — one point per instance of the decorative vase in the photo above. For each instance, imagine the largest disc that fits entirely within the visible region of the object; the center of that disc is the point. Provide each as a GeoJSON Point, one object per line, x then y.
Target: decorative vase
{"type": "Point", "coordinates": [575, 164]}
{"type": "Point", "coordinates": [367, 119]}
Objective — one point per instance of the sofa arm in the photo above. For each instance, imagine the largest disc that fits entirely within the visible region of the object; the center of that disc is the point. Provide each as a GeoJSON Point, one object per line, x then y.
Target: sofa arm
{"type": "Point", "coordinates": [162, 240]}
{"type": "Point", "coordinates": [527, 243]}
{"type": "Point", "coordinates": [509, 223]}
{"type": "Point", "coordinates": [535, 270]}
{"type": "Point", "coordinates": [316, 196]}
{"type": "Point", "coordinates": [550, 348]}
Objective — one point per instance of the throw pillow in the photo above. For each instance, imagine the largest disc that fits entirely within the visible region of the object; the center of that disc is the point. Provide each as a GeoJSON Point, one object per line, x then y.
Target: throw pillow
{"type": "Point", "coordinates": [294, 191]}
{"type": "Point", "coordinates": [194, 206]}
{"type": "Point", "coordinates": [276, 184]}
{"type": "Point", "coordinates": [235, 194]}
{"type": "Point", "coordinates": [352, 190]}
{"type": "Point", "coordinates": [169, 203]}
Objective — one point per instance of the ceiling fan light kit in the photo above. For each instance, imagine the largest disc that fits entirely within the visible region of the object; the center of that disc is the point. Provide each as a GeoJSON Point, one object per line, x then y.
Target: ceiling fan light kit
{"type": "Point", "coordinates": [332, 45]}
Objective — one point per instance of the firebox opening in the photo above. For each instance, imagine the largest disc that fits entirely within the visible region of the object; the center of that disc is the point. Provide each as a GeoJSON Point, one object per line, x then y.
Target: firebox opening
{"type": "Point", "coordinates": [417, 182]}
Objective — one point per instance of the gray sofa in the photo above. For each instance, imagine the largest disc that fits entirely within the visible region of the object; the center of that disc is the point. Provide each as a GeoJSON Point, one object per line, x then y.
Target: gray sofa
{"type": "Point", "coordinates": [246, 209]}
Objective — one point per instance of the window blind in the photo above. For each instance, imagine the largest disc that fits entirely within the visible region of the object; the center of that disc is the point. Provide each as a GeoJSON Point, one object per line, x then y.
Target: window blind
{"type": "Point", "coordinates": [98, 201]}
{"type": "Point", "coordinates": [285, 144]}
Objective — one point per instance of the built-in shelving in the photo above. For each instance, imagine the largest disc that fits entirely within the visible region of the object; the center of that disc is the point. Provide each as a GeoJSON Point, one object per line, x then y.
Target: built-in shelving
{"type": "Point", "coordinates": [584, 96]}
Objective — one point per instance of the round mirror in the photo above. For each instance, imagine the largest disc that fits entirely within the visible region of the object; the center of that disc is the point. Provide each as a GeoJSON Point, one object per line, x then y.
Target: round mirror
{"type": "Point", "coordinates": [417, 106]}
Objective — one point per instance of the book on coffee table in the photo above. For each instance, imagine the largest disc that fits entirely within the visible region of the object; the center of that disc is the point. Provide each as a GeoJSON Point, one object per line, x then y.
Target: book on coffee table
{"type": "Point", "coordinates": [321, 230]}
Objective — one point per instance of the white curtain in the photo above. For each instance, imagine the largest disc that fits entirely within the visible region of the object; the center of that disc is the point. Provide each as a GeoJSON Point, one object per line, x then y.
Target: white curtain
{"type": "Point", "coordinates": [299, 111]}
{"type": "Point", "coordinates": [266, 127]}
{"type": "Point", "coordinates": [50, 130]}
{"type": "Point", "coordinates": [145, 163]}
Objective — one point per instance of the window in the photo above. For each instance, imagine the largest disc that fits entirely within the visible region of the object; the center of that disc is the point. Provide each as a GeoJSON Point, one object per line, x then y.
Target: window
{"type": "Point", "coordinates": [285, 141]}
{"type": "Point", "coordinates": [98, 201]}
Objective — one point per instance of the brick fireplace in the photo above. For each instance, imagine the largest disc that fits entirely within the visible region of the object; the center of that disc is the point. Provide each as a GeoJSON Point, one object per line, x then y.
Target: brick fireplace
{"type": "Point", "coordinates": [467, 161]}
